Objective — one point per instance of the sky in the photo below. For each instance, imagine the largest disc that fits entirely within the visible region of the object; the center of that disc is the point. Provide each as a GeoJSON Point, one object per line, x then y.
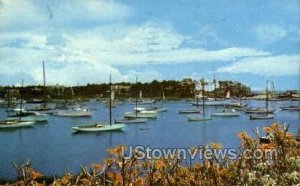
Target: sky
{"type": "Point", "coordinates": [83, 41]}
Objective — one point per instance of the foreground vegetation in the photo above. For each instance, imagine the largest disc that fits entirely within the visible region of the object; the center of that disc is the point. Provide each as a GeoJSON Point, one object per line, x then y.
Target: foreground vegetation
{"type": "Point", "coordinates": [285, 170]}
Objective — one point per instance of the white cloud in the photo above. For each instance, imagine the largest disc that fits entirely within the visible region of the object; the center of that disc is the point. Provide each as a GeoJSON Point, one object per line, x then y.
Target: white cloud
{"type": "Point", "coordinates": [95, 51]}
{"type": "Point", "coordinates": [280, 65]}
{"type": "Point", "coordinates": [82, 41]}
{"type": "Point", "coordinates": [269, 34]}
{"type": "Point", "coordinates": [19, 15]}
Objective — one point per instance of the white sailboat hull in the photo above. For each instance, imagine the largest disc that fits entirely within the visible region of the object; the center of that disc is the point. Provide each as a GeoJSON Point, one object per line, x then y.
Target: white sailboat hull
{"type": "Point", "coordinates": [99, 128]}
{"type": "Point", "coordinates": [199, 118]}
{"type": "Point", "coordinates": [74, 113]}
{"type": "Point", "coordinates": [15, 124]}
{"type": "Point", "coordinates": [138, 120]}
{"type": "Point", "coordinates": [140, 115]}
{"type": "Point", "coordinates": [226, 114]}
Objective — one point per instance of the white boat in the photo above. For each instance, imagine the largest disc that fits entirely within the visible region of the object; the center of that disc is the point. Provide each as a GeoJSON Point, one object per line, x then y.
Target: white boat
{"type": "Point", "coordinates": [16, 110]}
{"type": "Point", "coordinates": [131, 120]}
{"type": "Point", "coordinates": [148, 112]}
{"type": "Point", "coordinates": [28, 116]}
{"type": "Point", "coordinates": [75, 111]}
{"type": "Point", "coordinates": [72, 113]}
{"type": "Point", "coordinates": [15, 124]}
{"type": "Point", "coordinates": [156, 109]}
{"type": "Point", "coordinates": [98, 127]}
{"type": "Point", "coordinates": [226, 113]}
{"type": "Point", "coordinates": [188, 111]}
{"type": "Point", "coordinates": [198, 118]}
{"type": "Point", "coordinates": [261, 116]}
{"type": "Point", "coordinates": [211, 102]}
{"type": "Point", "coordinates": [140, 115]}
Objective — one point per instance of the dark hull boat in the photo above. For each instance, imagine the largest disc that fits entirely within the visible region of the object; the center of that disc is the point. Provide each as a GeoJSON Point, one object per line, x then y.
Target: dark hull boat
{"type": "Point", "coordinates": [261, 116]}
{"type": "Point", "coordinates": [291, 108]}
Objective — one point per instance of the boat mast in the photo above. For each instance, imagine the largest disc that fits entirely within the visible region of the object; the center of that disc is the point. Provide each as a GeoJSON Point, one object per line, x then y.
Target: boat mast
{"type": "Point", "coordinates": [21, 97]}
{"type": "Point", "coordinates": [267, 98]}
{"type": "Point", "coordinates": [214, 81]}
{"type": "Point", "coordinates": [8, 97]}
{"type": "Point", "coordinates": [44, 81]}
{"type": "Point", "coordinates": [110, 91]}
{"type": "Point", "coordinates": [203, 101]}
{"type": "Point", "coordinates": [136, 97]}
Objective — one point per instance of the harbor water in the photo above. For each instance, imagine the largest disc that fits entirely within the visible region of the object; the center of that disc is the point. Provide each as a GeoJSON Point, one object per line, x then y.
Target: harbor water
{"type": "Point", "coordinates": [53, 149]}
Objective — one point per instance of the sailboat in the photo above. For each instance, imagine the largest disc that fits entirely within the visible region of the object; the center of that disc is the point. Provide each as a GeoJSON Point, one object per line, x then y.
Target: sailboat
{"type": "Point", "coordinates": [236, 104]}
{"type": "Point", "coordinates": [266, 114]}
{"type": "Point", "coordinates": [145, 114]}
{"type": "Point", "coordinates": [201, 118]}
{"type": "Point", "coordinates": [102, 127]}
{"type": "Point", "coordinates": [152, 109]}
{"type": "Point", "coordinates": [43, 109]}
{"type": "Point", "coordinates": [228, 95]}
{"type": "Point", "coordinates": [17, 123]}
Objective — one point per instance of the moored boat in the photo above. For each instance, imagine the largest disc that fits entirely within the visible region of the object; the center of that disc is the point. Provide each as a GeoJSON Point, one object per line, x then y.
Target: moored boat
{"type": "Point", "coordinates": [15, 124]}
{"type": "Point", "coordinates": [74, 111]}
{"type": "Point", "coordinates": [188, 111]}
{"type": "Point", "coordinates": [198, 118]}
{"type": "Point", "coordinates": [261, 116]}
{"type": "Point", "coordinates": [258, 111]}
{"type": "Point", "coordinates": [98, 127]}
{"type": "Point", "coordinates": [28, 116]}
{"type": "Point", "coordinates": [226, 113]}
{"type": "Point", "coordinates": [291, 108]}
{"type": "Point", "coordinates": [140, 115]}
{"type": "Point", "coordinates": [131, 120]}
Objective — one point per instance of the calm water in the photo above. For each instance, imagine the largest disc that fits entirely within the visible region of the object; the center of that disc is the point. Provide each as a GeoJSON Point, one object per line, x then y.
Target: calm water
{"type": "Point", "coordinates": [53, 149]}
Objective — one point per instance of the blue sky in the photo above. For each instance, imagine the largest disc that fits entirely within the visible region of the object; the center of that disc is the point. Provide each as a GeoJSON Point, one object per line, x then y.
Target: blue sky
{"type": "Point", "coordinates": [85, 40]}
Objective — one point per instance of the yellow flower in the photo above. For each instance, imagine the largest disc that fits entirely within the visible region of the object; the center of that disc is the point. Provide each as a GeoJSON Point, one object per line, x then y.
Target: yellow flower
{"type": "Point", "coordinates": [96, 166]}
{"type": "Point", "coordinates": [216, 146]}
